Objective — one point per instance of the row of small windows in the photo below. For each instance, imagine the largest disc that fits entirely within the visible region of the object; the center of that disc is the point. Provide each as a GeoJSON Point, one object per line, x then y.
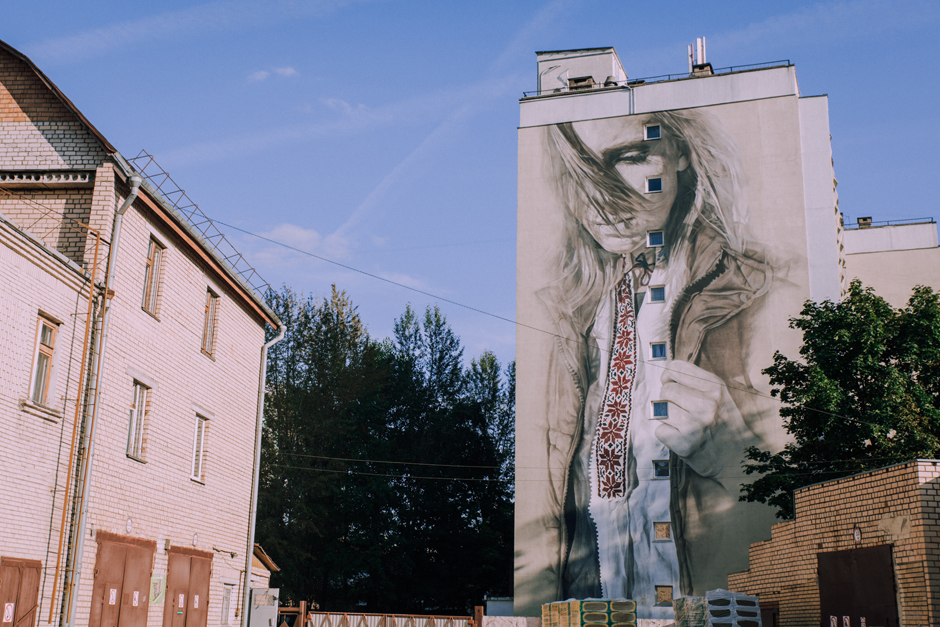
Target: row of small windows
{"type": "Point", "coordinates": [654, 184]}
{"type": "Point", "coordinates": [41, 383]}
{"type": "Point", "coordinates": [152, 273]}
{"type": "Point", "coordinates": [138, 425]}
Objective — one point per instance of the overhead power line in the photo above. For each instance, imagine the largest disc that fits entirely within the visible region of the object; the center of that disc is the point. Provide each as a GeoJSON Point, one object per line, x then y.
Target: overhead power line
{"type": "Point", "coordinates": [653, 364]}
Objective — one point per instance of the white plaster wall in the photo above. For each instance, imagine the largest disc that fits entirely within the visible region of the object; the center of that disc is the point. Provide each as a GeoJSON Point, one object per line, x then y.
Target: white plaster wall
{"type": "Point", "coordinates": [895, 273]}
{"type": "Point", "coordinates": [554, 68]}
{"type": "Point", "coordinates": [887, 238]}
{"type": "Point", "coordinates": [819, 200]}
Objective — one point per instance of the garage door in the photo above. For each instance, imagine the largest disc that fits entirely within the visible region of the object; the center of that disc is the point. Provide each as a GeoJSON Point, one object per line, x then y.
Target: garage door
{"type": "Point", "coordinates": [120, 597]}
{"type": "Point", "coordinates": [19, 591]}
{"type": "Point", "coordinates": [187, 588]}
{"type": "Point", "coordinates": [856, 588]}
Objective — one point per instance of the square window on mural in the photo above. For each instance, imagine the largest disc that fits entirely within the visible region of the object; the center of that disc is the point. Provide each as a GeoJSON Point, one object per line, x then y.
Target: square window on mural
{"type": "Point", "coordinates": [655, 239]}
{"type": "Point", "coordinates": [654, 184]}
{"type": "Point", "coordinates": [664, 595]}
{"type": "Point", "coordinates": [658, 350]}
{"type": "Point", "coordinates": [657, 294]}
{"type": "Point", "coordinates": [661, 468]}
{"type": "Point", "coordinates": [660, 409]}
{"type": "Point", "coordinates": [662, 531]}
{"type": "Point", "coordinates": [653, 131]}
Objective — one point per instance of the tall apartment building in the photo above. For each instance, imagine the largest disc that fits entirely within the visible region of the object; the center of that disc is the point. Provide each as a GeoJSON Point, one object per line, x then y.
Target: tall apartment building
{"type": "Point", "coordinates": [668, 228]}
{"type": "Point", "coordinates": [131, 357]}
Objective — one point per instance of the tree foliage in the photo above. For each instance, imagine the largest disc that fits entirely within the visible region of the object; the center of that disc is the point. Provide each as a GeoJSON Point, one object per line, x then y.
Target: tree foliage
{"type": "Point", "coordinates": [865, 393]}
{"type": "Point", "coordinates": [386, 480]}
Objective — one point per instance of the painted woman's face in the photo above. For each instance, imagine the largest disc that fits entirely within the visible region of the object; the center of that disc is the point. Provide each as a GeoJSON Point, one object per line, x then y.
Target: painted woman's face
{"type": "Point", "coordinates": [636, 163]}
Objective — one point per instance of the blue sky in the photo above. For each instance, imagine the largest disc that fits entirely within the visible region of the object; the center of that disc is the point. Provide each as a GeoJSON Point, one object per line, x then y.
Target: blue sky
{"type": "Point", "coordinates": [382, 133]}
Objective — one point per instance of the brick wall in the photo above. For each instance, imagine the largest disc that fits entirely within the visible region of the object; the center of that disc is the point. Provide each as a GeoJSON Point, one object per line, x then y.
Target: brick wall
{"type": "Point", "coordinates": [38, 130]}
{"type": "Point", "coordinates": [34, 441]}
{"type": "Point", "coordinates": [897, 505]}
{"type": "Point", "coordinates": [43, 267]}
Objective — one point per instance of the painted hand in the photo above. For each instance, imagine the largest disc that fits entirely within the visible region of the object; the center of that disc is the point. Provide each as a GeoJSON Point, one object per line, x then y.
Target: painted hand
{"type": "Point", "coordinates": [704, 426]}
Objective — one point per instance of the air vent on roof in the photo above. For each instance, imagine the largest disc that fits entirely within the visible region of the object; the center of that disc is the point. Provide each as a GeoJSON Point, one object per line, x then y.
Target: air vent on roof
{"type": "Point", "coordinates": [864, 223]}
{"type": "Point", "coordinates": [582, 82]}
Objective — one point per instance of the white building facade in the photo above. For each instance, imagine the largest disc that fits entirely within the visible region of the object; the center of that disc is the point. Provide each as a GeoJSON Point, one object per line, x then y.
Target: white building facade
{"type": "Point", "coordinates": [667, 231]}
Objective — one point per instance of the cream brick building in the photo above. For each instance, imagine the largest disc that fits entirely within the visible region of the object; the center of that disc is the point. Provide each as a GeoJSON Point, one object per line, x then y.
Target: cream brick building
{"type": "Point", "coordinates": [891, 510]}
{"type": "Point", "coordinates": [159, 390]}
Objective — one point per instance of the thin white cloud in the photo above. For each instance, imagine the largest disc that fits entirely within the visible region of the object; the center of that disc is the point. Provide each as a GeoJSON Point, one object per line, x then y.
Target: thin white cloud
{"type": "Point", "coordinates": [405, 279]}
{"type": "Point", "coordinates": [824, 23]}
{"type": "Point", "coordinates": [475, 101]}
{"type": "Point", "coordinates": [338, 104]}
{"type": "Point", "coordinates": [219, 16]}
{"type": "Point", "coordinates": [356, 118]}
{"type": "Point", "coordinates": [261, 75]}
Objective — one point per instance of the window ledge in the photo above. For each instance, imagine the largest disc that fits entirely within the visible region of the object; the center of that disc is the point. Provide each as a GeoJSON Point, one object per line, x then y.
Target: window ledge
{"type": "Point", "coordinates": [209, 355]}
{"type": "Point", "coordinates": [46, 413]}
{"type": "Point", "coordinates": [139, 460]}
{"type": "Point", "coordinates": [150, 313]}
{"type": "Point", "coordinates": [199, 481]}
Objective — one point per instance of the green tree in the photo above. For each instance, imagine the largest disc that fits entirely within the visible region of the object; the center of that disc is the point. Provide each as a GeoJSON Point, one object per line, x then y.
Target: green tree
{"type": "Point", "coordinates": [455, 510]}
{"type": "Point", "coordinates": [865, 393]}
{"type": "Point", "coordinates": [325, 405]}
{"type": "Point", "coordinates": [386, 477]}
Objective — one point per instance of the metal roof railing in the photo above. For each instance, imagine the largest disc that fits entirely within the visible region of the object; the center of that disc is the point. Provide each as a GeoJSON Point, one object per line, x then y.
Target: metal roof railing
{"type": "Point", "coordinates": [164, 184]}
{"type": "Point", "coordinates": [635, 82]}
{"type": "Point", "coordinates": [851, 226]}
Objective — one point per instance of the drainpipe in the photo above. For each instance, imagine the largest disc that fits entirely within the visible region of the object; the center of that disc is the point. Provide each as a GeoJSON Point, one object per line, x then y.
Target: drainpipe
{"type": "Point", "coordinates": [256, 468]}
{"type": "Point", "coordinates": [78, 539]}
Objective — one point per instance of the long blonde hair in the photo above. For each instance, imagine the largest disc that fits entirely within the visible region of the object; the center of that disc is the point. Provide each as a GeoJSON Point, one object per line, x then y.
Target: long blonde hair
{"type": "Point", "coordinates": [709, 195]}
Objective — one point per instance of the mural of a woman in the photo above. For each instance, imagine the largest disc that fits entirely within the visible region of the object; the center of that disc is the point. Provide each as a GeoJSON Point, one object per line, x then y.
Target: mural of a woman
{"type": "Point", "coordinates": [654, 288]}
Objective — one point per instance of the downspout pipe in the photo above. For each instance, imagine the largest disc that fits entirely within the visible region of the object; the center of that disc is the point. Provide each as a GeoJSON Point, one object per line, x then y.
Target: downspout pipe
{"type": "Point", "coordinates": [256, 471]}
{"type": "Point", "coordinates": [89, 430]}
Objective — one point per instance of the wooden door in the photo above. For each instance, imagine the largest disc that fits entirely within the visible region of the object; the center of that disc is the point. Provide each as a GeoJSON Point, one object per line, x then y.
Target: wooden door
{"type": "Point", "coordinates": [19, 591]}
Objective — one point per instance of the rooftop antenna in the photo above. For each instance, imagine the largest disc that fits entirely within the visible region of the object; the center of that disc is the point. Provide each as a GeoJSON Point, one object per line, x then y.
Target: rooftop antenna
{"type": "Point", "coordinates": [690, 58]}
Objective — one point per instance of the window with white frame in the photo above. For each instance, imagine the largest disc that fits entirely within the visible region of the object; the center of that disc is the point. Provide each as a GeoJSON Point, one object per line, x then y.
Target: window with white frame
{"type": "Point", "coordinates": [654, 184]}
{"type": "Point", "coordinates": [660, 410]}
{"type": "Point", "coordinates": [135, 429]}
{"type": "Point", "coordinates": [658, 350]}
{"type": "Point", "coordinates": [152, 276]}
{"type": "Point", "coordinates": [652, 131]}
{"type": "Point", "coordinates": [42, 366]}
{"type": "Point", "coordinates": [655, 239]}
{"type": "Point", "coordinates": [199, 448]}
{"type": "Point", "coordinates": [209, 322]}
{"type": "Point", "coordinates": [657, 293]}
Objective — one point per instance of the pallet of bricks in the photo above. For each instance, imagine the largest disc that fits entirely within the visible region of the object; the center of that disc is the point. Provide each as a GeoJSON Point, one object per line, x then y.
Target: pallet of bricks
{"type": "Point", "coordinates": [590, 613]}
{"type": "Point", "coordinates": [718, 608]}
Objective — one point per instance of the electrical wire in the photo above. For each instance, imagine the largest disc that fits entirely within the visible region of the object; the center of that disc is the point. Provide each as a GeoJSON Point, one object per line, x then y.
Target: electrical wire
{"type": "Point", "coordinates": [654, 364]}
